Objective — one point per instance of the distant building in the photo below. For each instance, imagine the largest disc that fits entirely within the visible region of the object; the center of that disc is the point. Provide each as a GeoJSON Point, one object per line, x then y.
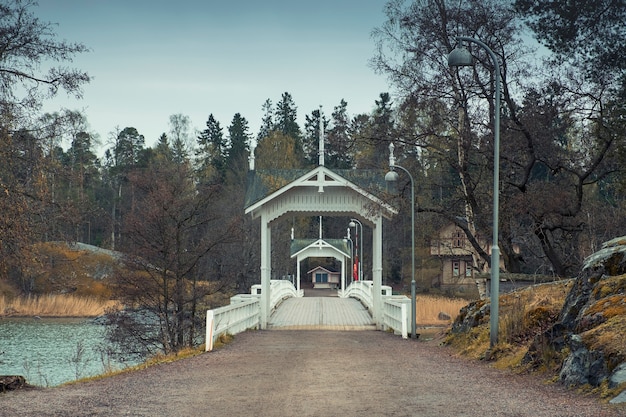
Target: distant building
{"type": "Point", "coordinates": [324, 278]}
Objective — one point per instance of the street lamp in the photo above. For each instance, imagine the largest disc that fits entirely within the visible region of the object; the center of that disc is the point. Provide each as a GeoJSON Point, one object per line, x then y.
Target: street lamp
{"type": "Point", "coordinates": [349, 240]}
{"type": "Point", "coordinates": [353, 223]}
{"type": "Point", "coordinates": [460, 56]}
{"type": "Point", "coordinates": [392, 176]}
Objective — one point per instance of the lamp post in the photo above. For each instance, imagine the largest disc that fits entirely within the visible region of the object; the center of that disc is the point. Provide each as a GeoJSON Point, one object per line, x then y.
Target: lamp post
{"type": "Point", "coordinates": [353, 223]}
{"type": "Point", "coordinates": [460, 56]}
{"type": "Point", "coordinates": [349, 240]}
{"type": "Point", "coordinates": [392, 176]}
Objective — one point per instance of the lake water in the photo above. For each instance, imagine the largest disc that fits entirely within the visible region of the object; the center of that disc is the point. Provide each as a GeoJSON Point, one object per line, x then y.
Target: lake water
{"type": "Point", "coordinates": [49, 352]}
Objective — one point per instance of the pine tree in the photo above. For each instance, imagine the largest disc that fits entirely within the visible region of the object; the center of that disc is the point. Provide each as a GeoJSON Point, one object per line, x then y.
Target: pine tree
{"type": "Point", "coordinates": [286, 121]}
{"type": "Point", "coordinates": [211, 151]}
{"type": "Point", "coordinates": [310, 141]}
{"type": "Point", "coordinates": [339, 144]}
{"type": "Point", "coordinates": [267, 123]}
{"type": "Point", "coordinates": [239, 140]}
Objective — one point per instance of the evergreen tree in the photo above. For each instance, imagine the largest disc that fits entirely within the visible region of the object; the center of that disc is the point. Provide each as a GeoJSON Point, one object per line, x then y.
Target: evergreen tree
{"type": "Point", "coordinates": [267, 123]}
{"type": "Point", "coordinates": [310, 142]}
{"type": "Point", "coordinates": [286, 121]}
{"type": "Point", "coordinates": [163, 151]}
{"type": "Point", "coordinates": [239, 140]}
{"type": "Point", "coordinates": [212, 148]}
{"type": "Point", "coordinates": [339, 143]}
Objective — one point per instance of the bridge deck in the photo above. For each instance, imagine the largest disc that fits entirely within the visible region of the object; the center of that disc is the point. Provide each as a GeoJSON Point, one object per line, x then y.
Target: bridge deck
{"type": "Point", "coordinates": [321, 313]}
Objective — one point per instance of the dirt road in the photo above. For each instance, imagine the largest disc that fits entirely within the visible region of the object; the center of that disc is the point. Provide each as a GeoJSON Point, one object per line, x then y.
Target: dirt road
{"type": "Point", "coordinates": [312, 373]}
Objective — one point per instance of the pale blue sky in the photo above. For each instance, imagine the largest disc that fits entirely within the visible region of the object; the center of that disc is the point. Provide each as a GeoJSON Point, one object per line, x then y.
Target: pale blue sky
{"type": "Point", "coordinates": [153, 58]}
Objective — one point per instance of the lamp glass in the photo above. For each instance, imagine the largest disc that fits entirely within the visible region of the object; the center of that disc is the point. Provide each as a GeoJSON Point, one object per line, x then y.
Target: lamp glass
{"type": "Point", "coordinates": [460, 57]}
{"type": "Point", "coordinates": [391, 176]}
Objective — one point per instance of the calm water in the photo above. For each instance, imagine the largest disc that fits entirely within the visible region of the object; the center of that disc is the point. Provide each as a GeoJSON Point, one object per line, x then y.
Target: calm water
{"type": "Point", "coordinates": [49, 352]}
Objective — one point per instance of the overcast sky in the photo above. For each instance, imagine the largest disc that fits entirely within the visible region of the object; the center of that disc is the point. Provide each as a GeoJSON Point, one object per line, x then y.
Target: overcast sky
{"type": "Point", "coordinates": [150, 59]}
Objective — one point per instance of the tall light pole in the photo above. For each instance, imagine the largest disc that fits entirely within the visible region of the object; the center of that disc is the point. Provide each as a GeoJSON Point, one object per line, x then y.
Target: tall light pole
{"type": "Point", "coordinates": [392, 176]}
{"type": "Point", "coordinates": [349, 240]}
{"type": "Point", "coordinates": [460, 56]}
{"type": "Point", "coordinates": [353, 223]}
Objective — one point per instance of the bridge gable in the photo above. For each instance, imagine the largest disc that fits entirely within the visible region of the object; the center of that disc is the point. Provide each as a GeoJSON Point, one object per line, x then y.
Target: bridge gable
{"type": "Point", "coordinates": [319, 191]}
{"type": "Point", "coordinates": [320, 248]}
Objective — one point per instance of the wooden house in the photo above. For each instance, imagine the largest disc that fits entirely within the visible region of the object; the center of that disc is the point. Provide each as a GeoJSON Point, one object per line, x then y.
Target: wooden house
{"type": "Point", "coordinates": [459, 262]}
{"type": "Point", "coordinates": [324, 278]}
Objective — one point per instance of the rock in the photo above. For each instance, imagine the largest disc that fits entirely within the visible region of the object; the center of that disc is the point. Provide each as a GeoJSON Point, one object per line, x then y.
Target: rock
{"type": "Point", "coordinates": [12, 382]}
{"type": "Point", "coordinates": [471, 316]}
{"type": "Point", "coordinates": [583, 366]}
{"type": "Point", "coordinates": [621, 398]}
{"type": "Point", "coordinates": [443, 316]}
{"type": "Point", "coordinates": [618, 376]}
{"type": "Point", "coordinates": [596, 283]}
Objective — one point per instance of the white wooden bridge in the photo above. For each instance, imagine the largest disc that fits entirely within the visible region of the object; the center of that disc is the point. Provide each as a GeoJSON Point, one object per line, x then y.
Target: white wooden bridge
{"type": "Point", "coordinates": [349, 310]}
{"type": "Point", "coordinates": [321, 313]}
{"type": "Point", "coordinates": [275, 304]}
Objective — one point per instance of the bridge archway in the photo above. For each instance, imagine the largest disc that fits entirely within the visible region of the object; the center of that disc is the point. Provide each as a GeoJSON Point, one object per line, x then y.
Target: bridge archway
{"type": "Point", "coordinates": [321, 248]}
{"type": "Point", "coordinates": [272, 194]}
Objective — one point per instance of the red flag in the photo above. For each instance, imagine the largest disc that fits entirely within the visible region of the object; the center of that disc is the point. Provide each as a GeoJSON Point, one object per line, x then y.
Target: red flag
{"type": "Point", "coordinates": [355, 269]}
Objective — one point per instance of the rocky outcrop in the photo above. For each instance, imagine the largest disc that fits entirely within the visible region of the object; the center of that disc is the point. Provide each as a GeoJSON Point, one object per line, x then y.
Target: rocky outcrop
{"type": "Point", "coordinates": [12, 382]}
{"type": "Point", "coordinates": [589, 329]}
{"type": "Point", "coordinates": [584, 342]}
{"type": "Point", "coordinates": [472, 315]}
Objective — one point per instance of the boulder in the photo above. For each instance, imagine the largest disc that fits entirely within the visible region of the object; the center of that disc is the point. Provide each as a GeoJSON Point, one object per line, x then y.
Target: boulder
{"type": "Point", "coordinates": [618, 377]}
{"type": "Point", "coordinates": [443, 316]}
{"type": "Point", "coordinates": [12, 382]}
{"type": "Point", "coordinates": [472, 315]}
{"type": "Point", "coordinates": [583, 366]}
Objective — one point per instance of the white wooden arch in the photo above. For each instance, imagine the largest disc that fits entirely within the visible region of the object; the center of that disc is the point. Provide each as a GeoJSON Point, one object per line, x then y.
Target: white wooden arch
{"type": "Point", "coordinates": [316, 192]}
{"type": "Point", "coordinates": [322, 249]}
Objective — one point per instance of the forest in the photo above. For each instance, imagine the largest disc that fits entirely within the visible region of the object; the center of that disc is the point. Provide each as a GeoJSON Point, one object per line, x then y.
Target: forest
{"type": "Point", "coordinates": [175, 210]}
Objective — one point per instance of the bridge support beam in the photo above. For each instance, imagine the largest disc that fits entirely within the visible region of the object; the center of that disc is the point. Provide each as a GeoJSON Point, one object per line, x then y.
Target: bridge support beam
{"type": "Point", "coordinates": [266, 270]}
{"type": "Point", "coordinates": [377, 271]}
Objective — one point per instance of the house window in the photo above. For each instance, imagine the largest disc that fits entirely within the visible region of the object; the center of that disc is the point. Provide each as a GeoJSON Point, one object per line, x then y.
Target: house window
{"type": "Point", "coordinates": [457, 241]}
{"type": "Point", "coordinates": [468, 269]}
{"type": "Point", "coordinates": [321, 277]}
{"type": "Point", "coordinates": [456, 268]}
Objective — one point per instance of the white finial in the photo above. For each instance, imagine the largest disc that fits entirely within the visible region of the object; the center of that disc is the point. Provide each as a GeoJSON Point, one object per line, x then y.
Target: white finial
{"type": "Point", "coordinates": [320, 227]}
{"type": "Point", "coordinates": [392, 159]}
{"type": "Point", "coordinates": [321, 145]}
{"type": "Point", "coordinates": [251, 157]}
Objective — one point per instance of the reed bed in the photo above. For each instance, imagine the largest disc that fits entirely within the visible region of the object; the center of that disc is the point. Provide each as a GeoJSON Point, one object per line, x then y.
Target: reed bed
{"type": "Point", "coordinates": [54, 305]}
{"type": "Point", "coordinates": [428, 309]}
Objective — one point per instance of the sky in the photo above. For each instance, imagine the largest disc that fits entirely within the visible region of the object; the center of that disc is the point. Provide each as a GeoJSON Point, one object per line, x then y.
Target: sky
{"type": "Point", "coordinates": [150, 59]}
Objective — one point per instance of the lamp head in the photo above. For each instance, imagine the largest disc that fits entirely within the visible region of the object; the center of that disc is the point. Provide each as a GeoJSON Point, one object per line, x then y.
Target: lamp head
{"type": "Point", "coordinates": [391, 176]}
{"type": "Point", "coordinates": [352, 224]}
{"type": "Point", "coordinates": [460, 57]}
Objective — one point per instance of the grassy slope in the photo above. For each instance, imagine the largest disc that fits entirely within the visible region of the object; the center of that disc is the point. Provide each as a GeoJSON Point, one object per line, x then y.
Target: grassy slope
{"type": "Point", "coordinates": [527, 313]}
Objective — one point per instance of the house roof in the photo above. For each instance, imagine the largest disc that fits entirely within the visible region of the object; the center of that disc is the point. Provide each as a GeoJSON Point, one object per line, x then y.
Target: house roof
{"type": "Point", "coordinates": [319, 267]}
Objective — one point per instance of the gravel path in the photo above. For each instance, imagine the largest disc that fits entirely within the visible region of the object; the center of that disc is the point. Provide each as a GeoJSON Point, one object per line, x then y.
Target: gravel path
{"type": "Point", "coordinates": [312, 373]}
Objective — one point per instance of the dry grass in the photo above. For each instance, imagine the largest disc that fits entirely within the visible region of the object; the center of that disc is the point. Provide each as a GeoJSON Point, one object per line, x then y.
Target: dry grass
{"type": "Point", "coordinates": [54, 305]}
{"type": "Point", "coordinates": [427, 309]}
{"type": "Point", "coordinates": [523, 314]}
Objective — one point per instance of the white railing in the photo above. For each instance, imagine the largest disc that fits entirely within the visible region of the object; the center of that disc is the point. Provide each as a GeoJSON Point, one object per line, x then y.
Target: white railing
{"type": "Point", "coordinates": [281, 289]}
{"type": "Point", "coordinates": [362, 291]}
{"type": "Point", "coordinates": [394, 309]}
{"type": "Point", "coordinates": [233, 318]}
{"type": "Point", "coordinates": [396, 314]}
{"type": "Point", "coordinates": [244, 311]}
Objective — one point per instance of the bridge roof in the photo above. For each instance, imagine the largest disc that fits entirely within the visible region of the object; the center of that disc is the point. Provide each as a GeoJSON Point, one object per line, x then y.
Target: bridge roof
{"type": "Point", "coordinates": [311, 246]}
{"type": "Point", "coordinates": [265, 186]}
